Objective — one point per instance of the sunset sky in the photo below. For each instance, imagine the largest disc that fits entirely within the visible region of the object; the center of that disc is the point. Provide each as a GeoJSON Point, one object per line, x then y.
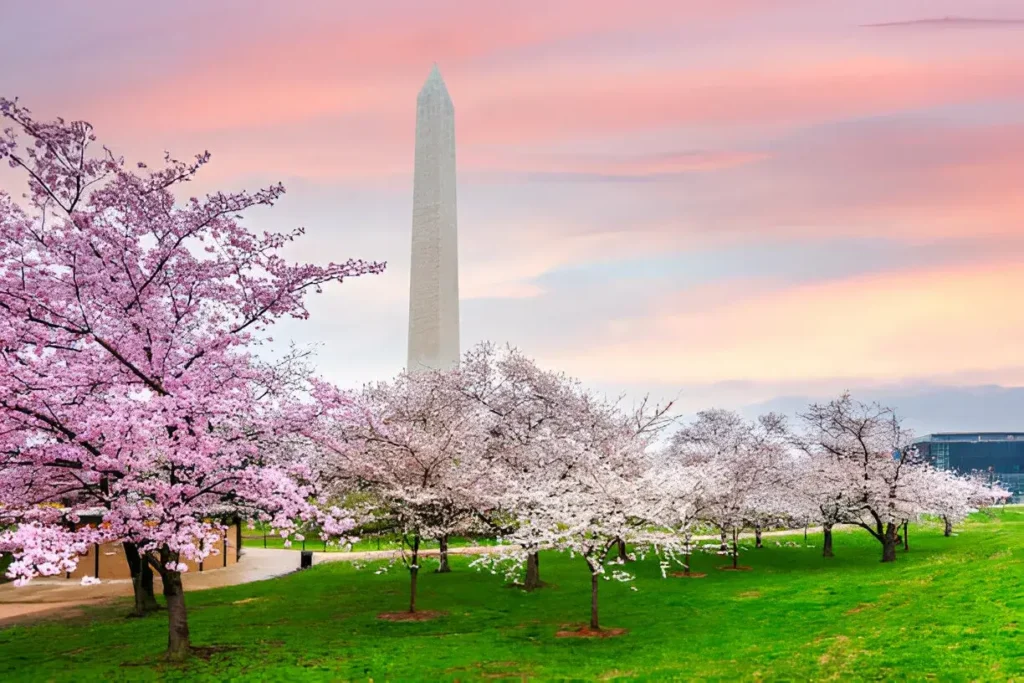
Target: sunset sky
{"type": "Point", "coordinates": [745, 203]}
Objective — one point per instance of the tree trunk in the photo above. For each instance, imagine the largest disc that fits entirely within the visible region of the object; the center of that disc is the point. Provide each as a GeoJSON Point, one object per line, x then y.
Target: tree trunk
{"type": "Point", "coordinates": [735, 549]}
{"type": "Point", "coordinates": [827, 548]}
{"type": "Point", "coordinates": [724, 547]}
{"type": "Point", "coordinates": [532, 572]}
{"type": "Point", "coordinates": [906, 537]}
{"type": "Point", "coordinates": [444, 568]}
{"type": "Point", "coordinates": [593, 601]}
{"type": "Point", "coordinates": [142, 581]}
{"type": "Point", "coordinates": [414, 569]}
{"type": "Point", "coordinates": [889, 543]}
{"type": "Point", "coordinates": [757, 536]}
{"type": "Point", "coordinates": [177, 618]}
{"type": "Point", "coordinates": [949, 527]}
{"type": "Point", "coordinates": [238, 538]}
{"type": "Point", "coordinates": [622, 550]}
{"type": "Point", "coordinates": [688, 538]}
{"type": "Point", "coordinates": [805, 534]}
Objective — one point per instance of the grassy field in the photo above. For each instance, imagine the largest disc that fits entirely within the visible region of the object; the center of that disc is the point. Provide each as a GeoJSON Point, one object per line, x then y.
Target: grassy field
{"type": "Point", "coordinates": [949, 609]}
{"type": "Point", "coordinates": [254, 537]}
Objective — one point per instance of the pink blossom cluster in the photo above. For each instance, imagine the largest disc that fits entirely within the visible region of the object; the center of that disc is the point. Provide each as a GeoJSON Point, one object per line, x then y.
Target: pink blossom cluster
{"type": "Point", "coordinates": [44, 550]}
{"type": "Point", "coordinates": [131, 387]}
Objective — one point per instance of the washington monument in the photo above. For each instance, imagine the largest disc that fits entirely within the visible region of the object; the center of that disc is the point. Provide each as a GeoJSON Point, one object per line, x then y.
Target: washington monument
{"type": "Point", "coordinates": [434, 271]}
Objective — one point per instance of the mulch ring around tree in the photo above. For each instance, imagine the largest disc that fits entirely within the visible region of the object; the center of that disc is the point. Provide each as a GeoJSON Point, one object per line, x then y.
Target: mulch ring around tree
{"type": "Point", "coordinates": [587, 632]}
{"type": "Point", "coordinates": [426, 615]}
{"type": "Point", "coordinates": [730, 568]}
{"type": "Point", "coordinates": [684, 575]}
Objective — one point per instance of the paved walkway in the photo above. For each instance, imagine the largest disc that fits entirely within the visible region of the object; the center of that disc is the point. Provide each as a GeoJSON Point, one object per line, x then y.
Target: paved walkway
{"type": "Point", "coordinates": [43, 597]}
{"type": "Point", "coordinates": [49, 597]}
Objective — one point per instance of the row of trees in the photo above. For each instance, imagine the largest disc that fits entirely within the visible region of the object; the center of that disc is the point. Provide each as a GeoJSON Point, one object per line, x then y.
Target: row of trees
{"type": "Point", "coordinates": [500, 446]}
{"type": "Point", "coordinates": [134, 385]}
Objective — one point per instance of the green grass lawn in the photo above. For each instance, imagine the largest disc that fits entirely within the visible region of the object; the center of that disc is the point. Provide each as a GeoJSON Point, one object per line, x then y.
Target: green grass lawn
{"type": "Point", "coordinates": [255, 538]}
{"type": "Point", "coordinates": [949, 609]}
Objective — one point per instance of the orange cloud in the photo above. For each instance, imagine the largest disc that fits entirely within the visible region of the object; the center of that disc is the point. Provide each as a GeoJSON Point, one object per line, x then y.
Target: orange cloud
{"type": "Point", "coordinates": [894, 326]}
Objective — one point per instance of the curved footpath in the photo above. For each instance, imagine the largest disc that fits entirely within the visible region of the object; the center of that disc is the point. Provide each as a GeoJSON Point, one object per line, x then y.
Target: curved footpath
{"type": "Point", "coordinates": [48, 597]}
{"type": "Point", "coordinates": [43, 598]}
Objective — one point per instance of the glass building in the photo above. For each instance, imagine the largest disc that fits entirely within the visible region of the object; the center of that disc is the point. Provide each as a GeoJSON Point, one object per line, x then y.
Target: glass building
{"type": "Point", "coordinates": [998, 455]}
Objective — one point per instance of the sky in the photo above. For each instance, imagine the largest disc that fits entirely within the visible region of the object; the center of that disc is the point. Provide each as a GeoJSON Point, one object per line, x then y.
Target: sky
{"type": "Point", "coordinates": [743, 203]}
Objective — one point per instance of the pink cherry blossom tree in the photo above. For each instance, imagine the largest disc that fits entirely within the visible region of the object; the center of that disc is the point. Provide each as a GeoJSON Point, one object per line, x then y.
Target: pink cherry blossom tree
{"type": "Point", "coordinates": [128, 326]}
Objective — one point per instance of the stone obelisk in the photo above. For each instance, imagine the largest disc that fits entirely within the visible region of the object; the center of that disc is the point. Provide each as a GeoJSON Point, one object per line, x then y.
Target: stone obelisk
{"type": "Point", "coordinates": [434, 271]}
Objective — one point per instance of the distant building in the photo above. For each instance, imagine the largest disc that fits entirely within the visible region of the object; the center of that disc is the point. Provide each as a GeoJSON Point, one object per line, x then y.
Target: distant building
{"type": "Point", "coordinates": [997, 455]}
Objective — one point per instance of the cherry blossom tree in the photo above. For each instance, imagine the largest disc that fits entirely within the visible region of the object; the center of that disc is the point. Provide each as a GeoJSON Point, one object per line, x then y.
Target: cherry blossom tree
{"type": "Point", "coordinates": [744, 470]}
{"type": "Point", "coordinates": [572, 466]}
{"type": "Point", "coordinates": [952, 496]}
{"type": "Point", "coordinates": [984, 492]}
{"type": "Point", "coordinates": [822, 492]}
{"type": "Point", "coordinates": [584, 513]}
{"type": "Point", "coordinates": [128, 326]}
{"type": "Point", "coordinates": [417, 445]}
{"type": "Point", "coordinates": [533, 413]}
{"type": "Point", "coordinates": [522, 405]}
{"type": "Point", "coordinates": [678, 498]}
{"type": "Point", "coordinates": [875, 463]}
{"type": "Point", "coordinates": [772, 499]}
{"type": "Point", "coordinates": [822, 488]}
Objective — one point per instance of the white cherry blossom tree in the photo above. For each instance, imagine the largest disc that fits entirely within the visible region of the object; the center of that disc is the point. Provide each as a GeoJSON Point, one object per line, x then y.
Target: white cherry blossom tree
{"type": "Point", "coordinates": [417, 446]}
{"type": "Point", "coordinates": [875, 463]}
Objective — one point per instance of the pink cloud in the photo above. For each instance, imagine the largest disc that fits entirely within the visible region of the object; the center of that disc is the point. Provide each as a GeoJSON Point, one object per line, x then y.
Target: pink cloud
{"type": "Point", "coordinates": [620, 166]}
{"type": "Point", "coordinates": [798, 91]}
{"type": "Point", "coordinates": [279, 73]}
